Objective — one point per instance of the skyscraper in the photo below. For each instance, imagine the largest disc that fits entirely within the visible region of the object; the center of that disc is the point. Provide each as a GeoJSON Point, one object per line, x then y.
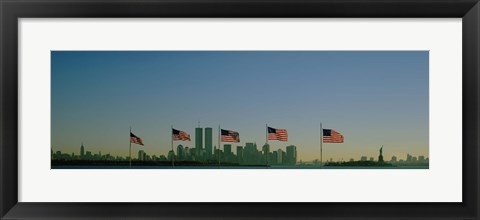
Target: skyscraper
{"type": "Point", "coordinates": [266, 151]}
{"type": "Point", "coordinates": [141, 154]}
{"type": "Point", "coordinates": [250, 153]}
{"type": "Point", "coordinates": [171, 155]}
{"type": "Point", "coordinates": [240, 154]}
{"type": "Point", "coordinates": [180, 152]}
{"type": "Point", "coordinates": [227, 149]}
{"type": "Point", "coordinates": [279, 156]}
{"type": "Point", "coordinates": [198, 141]}
{"type": "Point", "coordinates": [82, 151]}
{"type": "Point", "coordinates": [274, 159]}
{"type": "Point", "coordinates": [208, 143]}
{"type": "Point", "coordinates": [291, 155]}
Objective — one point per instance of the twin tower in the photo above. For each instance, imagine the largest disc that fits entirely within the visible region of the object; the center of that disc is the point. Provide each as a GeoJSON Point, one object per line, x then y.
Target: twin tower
{"type": "Point", "coordinates": [208, 150]}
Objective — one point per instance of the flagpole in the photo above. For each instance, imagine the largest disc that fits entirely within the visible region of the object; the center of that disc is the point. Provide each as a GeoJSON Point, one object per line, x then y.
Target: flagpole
{"type": "Point", "coordinates": [266, 133]}
{"type": "Point", "coordinates": [267, 146]}
{"type": "Point", "coordinates": [130, 151]}
{"type": "Point", "coordinates": [173, 153]}
{"type": "Point", "coordinates": [321, 145]}
{"type": "Point", "coordinates": [218, 148]}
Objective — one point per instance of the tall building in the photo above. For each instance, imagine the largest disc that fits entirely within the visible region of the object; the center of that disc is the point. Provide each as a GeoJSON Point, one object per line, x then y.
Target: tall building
{"type": "Point", "coordinates": [208, 143]}
{"type": "Point", "coordinates": [141, 155]}
{"type": "Point", "coordinates": [198, 141]}
{"type": "Point", "coordinates": [227, 149]}
{"type": "Point", "coordinates": [82, 151]}
{"type": "Point", "coordinates": [180, 152]}
{"type": "Point", "coordinates": [364, 158]}
{"type": "Point", "coordinates": [291, 155]}
{"type": "Point", "coordinates": [266, 151]}
{"type": "Point", "coordinates": [239, 154]}
{"type": "Point", "coordinates": [171, 155]}
{"type": "Point", "coordinates": [250, 153]}
{"type": "Point", "coordinates": [279, 156]}
{"type": "Point", "coordinates": [186, 155]}
{"type": "Point", "coordinates": [274, 157]}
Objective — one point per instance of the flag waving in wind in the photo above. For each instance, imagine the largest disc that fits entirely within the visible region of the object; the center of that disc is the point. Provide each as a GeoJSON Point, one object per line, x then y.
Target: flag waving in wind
{"type": "Point", "coordinates": [332, 136]}
{"type": "Point", "coordinates": [135, 140]}
{"type": "Point", "coordinates": [277, 134]}
{"type": "Point", "coordinates": [178, 135]}
{"type": "Point", "coordinates": [230, 136]}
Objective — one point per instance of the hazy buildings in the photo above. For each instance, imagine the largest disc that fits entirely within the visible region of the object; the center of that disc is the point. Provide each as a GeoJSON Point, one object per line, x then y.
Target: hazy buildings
{"type": "Point", "coordinates": [171, 155]}
{"type": "Point", "coordinates": [364, 158]}
{"type": "Point", "coordinates": [409, 158]}
{"type": "Point", "coordinates": [208, 143]}
{"type": "Point", "coordinates": [141, 155]}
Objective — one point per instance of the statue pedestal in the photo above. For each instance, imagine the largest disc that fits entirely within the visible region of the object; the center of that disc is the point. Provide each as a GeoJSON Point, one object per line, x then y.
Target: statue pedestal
{"type": "Point", "coordinates": [380, 159]}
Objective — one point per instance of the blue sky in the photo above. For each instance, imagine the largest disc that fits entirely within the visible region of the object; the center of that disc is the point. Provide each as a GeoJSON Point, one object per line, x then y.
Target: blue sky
{"type": "Point", "coordinates": [373, 98]}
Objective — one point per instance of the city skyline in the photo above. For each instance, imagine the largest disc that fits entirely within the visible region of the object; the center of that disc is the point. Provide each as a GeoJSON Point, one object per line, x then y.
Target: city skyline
{"type": "Point", "coordinates": [223, 155]}
{"type": "Point", "coordinates": [368, 97]}
{"type": "Point", "coordinates": [205, 143]}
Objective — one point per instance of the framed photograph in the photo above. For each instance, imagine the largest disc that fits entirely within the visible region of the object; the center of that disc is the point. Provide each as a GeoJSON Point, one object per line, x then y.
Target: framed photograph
{"type": "Point", "coordinates": [227, 109]}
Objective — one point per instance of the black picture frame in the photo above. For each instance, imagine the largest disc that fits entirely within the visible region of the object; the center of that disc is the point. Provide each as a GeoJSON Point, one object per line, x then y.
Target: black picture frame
{"type": "Point", "coordinates": [12, 10]}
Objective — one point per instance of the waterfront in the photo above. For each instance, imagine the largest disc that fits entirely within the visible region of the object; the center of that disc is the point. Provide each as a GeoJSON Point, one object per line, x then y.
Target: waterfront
{"type": "Point", "coordinates": [232, 167]}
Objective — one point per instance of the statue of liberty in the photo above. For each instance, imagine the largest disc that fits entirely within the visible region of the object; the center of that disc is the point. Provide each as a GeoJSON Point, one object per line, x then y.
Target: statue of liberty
{"type": "Point", "coordinates": [380, 157]}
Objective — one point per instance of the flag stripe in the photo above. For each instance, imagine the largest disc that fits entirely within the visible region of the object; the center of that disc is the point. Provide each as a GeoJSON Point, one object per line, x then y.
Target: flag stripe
{"type": "Point", "coordinates": [332, 136]}
{"type": "Point", "coordinates": [277, 134]}
{"type": "Point", "coordinates": [178, 135]}
{"type": "Point", "coordinates": [135, 140]}
{"type": "Point", "coordinates": [230, 136]}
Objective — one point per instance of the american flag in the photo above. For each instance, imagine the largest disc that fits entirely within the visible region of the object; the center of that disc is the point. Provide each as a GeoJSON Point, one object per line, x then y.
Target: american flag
{"type": "Point", "coordinates": [136, 140]}
{"type": "Point", "coordinates": [178, 135]}
{"type": "Point", "coordinates": [230, 136]}
{"type": "Point", "coordinates": [332, 136]}
{"type": "Point", "coordinates": [277, 134]}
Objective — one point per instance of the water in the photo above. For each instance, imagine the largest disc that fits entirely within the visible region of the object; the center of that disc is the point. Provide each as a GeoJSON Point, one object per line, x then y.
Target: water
{"type": "Point", "coordinates": [230, 167]}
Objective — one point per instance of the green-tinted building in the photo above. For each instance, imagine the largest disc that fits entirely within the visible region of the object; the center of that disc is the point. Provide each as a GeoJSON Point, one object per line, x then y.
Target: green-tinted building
{"type": "Point", "coordinates": [141, 155]}
{"type": "Point", "coordinates": [227, 149]}
{"type": "Point", "coordinates": [239, 154]}
{"type": "Point", "coordinates": [180, 152]}
{"type": "Point", "coordinates": [82, 151]}
{"type": "Point", "coordinates": [198, 141]}
{"type": "Point", "coordinates": [208, 143]}
{"type": "Point", "coordinates": [291, 155]}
